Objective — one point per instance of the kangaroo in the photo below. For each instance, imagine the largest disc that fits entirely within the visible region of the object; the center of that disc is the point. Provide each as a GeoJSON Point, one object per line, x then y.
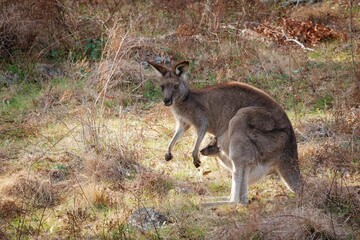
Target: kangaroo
{"type": "Point", "coordinates": [253, 131]}
{"type": "Point", "coordinates": [212, 149]}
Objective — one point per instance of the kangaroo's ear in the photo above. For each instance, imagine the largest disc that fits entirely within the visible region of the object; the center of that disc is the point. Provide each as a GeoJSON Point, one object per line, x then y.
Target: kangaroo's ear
{"type": "Point", "coordinates": [160, 70]}
{"type": "Point", "coordinates": [182, 68]}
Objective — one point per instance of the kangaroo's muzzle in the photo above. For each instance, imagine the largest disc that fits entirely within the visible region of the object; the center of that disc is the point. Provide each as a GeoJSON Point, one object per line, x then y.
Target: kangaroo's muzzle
{"type": "Point", "coordinates": [168, 101]}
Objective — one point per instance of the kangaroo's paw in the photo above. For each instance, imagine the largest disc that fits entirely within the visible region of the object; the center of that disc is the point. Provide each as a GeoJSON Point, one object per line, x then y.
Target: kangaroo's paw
{"type": "Point", "coordinates": [197, 162]}
{"type": "Point", "coordinates": [168, 156]}
{"type": "Point", "coordinates": [215, 199]}
{"type": "Point", "coordinates": [219, 203]}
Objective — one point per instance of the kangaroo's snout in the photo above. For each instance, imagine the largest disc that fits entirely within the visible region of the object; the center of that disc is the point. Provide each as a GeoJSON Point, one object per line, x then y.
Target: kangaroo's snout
{"type": "Point", "coordinates": [168, 101]}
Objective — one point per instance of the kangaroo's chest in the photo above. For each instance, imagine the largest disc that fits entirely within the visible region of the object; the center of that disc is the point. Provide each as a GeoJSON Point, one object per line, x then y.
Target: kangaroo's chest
{"type": "Point", "coordinates": [196, 118]}
{"type": "Point", "coordinates": [183, 115]}
{"type": "Point", "coordinates": [192, 116]}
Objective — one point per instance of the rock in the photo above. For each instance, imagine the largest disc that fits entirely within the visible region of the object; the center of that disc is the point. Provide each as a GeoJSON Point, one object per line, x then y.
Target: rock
{"type": "Point", "coordinates": [144, 64]}
{"type": "Point", "coordinates": [323, 131]}
{"type": "Point", "coordinates": [146, 219]}
{"type": "Point", "coordinates": [162, 60]}
{"type": "Point", "coordinates": [49, 71]}
{"type": "Point", "coordinates": [9, 78]}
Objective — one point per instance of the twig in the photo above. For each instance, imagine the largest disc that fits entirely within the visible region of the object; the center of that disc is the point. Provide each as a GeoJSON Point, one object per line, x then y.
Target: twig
{"type": "Point", "coordinates": [41, 220]}
{"type": "Point", "coordinates": [143, 80]}
{"type": "Point", "coordinates": [287, 39]}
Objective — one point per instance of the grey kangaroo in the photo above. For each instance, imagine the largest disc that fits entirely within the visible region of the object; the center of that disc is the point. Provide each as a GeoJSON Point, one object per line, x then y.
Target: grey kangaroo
{"type": "Point", "coordinates": [253, 133]}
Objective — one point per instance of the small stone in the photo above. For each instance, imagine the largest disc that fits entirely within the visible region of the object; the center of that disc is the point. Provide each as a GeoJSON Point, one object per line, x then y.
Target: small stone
{"type": "Point", "coordinates": [146, 219]}
{"type": "Point", "coordinates": [144, 64]}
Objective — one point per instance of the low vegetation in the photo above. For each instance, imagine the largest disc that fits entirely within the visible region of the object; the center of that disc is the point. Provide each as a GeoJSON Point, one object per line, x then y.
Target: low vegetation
{"type": "Point", "coordinates": [83, 132]}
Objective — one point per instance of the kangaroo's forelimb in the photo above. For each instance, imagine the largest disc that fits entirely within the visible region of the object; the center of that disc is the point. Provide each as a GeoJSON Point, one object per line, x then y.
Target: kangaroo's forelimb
{"type": "Point", "coordinates": [181, 128]}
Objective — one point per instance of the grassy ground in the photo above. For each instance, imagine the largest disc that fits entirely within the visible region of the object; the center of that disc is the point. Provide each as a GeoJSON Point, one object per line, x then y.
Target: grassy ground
{"type": "Point", "coordinates": [83, 133]}
{"type": "Point", "coordinates": [59, 184]}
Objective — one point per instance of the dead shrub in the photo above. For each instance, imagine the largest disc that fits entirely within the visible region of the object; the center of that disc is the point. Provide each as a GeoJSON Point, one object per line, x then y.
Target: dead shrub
{"type": "Point", "coordinates": [188, 187]}
{"type": "Point", "coordinates": [306, 32]}
{"type": "Point", "coordinates": [53, 97]}
{"type": "Point", "coordinates": [74, 221]}
{"type": "Point", "coordinates": [10, 130]}
{"type": "Point", "coordinates": [94, 195]}
{"type": "Point", "coordinates": [115, 71]}
{"type": "Point", "coordinates": [335, 197]}
{"type": "Point", "coordinates": [43, 26]}
{"type": "Point", "coordinates": [153, 183]}
{"type": "Point", "coordinates": [347, 121]}
{"type": "Point", "coordinates": [314, 129]}
{"type": "Point", "coordinates": [8, 208]}
{"type": "Point", "coordinates": [115, 166]}
{"type": "Point", "coordinates": [97, 196]}
{"type": "Point", "coordinates": [334, 157]}
{"type": "Point", "coordinates": [249, 229]}
{"type": "Point", "coordinates": [124, 75]}
{"type": "Point", "coordinates": [323, 14]}
{"type": "Point", "coordinates": [302, 223]}
{"type": "Point", "coordinates": [28, 189]}
{"type": "Point", "coordinates": [29, 23]}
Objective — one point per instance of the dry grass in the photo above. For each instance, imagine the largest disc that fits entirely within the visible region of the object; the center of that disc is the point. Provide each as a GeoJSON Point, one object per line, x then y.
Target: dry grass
{"type": "Point", "coordinates": [153, 184]}
{"type": "Point", "coordinates": [8, 207]}
{"type": "Point", "coordinates": [28, 189]}
{"type": "Point", "coordinates": [303, 223]}
{"type": "Point", "coordinates": [114, 166]}
{"type": "Point", "coordinates": [96, 196]}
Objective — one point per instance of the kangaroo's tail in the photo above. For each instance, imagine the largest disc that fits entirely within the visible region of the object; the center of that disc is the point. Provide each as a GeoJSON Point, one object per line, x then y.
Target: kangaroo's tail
{"type": "Point", "coordinates": [288, 167]}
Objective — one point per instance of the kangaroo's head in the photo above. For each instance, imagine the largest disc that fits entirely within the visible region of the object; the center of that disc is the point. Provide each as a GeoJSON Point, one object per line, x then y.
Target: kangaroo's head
{"type": "Point", "coordinates": [173, 84]}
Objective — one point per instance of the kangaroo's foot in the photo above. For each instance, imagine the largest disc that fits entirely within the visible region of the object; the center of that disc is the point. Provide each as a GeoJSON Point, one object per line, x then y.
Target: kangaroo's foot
{"type": "Point", "coordinates": [220, 203]}
{"type": "Point", "coordinates": [214, 199]}
{"type": "Point", "coordinates": [212, 149]}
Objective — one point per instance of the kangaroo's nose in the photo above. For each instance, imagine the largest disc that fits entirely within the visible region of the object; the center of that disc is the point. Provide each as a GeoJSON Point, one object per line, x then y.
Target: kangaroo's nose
{"type": "Point", "coordinates": [168, 101]}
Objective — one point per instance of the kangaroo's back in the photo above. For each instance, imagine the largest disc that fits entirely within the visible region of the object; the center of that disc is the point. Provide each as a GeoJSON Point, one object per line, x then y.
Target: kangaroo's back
{"type": "Point", "coordinates": [221, 102]}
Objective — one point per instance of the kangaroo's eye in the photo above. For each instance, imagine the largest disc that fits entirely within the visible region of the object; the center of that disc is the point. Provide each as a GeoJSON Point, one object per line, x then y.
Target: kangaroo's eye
{"type": "Point", "coordinates": [162, 87]}
{"type": "Point", "coordinates": [176, 86]}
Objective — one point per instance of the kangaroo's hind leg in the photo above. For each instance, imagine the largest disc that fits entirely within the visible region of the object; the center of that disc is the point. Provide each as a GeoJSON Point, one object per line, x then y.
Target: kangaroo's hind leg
{"type": "Point", "coordinates": [241, 146]}
{"type": "Point", "coordinates": [243, 153]}
{"type": "Point", "coordinates": [258, 171]}
{"type": "Point", "coordinates": [239, 184]}
{"type": "Point", "coordinates": [242, 164]}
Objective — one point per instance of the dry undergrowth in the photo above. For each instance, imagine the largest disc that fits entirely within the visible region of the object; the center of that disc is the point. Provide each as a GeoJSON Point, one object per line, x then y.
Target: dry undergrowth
{"type": "Point", "coordinates": [325, 211]}
{"type": "Point", "coordinates": [30, 189]}
{"type": "Point", "coordinates": [303, 223]}
{"type": "Point", "coordinates": [113, 166]}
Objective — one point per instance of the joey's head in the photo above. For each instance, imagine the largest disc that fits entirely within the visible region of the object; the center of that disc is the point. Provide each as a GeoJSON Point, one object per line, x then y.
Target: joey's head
{"type": "Point", "coordinates": [172, 81]}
